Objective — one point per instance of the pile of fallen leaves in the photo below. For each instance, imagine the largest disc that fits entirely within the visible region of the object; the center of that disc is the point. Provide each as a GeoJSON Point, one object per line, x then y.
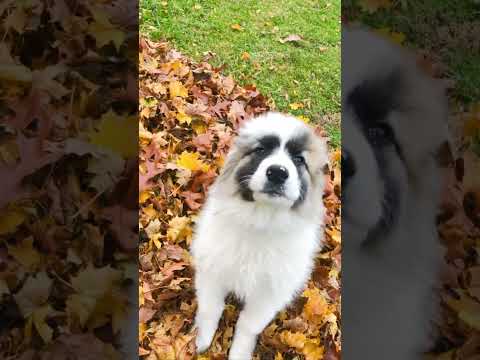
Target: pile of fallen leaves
{"type": "Point", "coordinates": [459, 215]}
{"type": "Point", "coordinates": [68, 153]}
{"type": "Point", "coordinates": [189, 114]}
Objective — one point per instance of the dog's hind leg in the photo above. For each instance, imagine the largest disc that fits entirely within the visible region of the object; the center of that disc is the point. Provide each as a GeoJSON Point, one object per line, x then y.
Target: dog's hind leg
{"type": "Point", "coordinates": [211, 302]}
{"type": "Point", "coordinates": [252, 320]}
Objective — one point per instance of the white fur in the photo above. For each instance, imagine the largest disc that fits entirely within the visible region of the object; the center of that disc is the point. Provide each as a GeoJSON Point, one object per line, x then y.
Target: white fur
{"type": "Point", "coordinates": [262, 251]}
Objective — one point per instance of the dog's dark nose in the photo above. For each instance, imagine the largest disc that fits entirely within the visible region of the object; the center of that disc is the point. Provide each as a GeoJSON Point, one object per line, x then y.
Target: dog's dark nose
{"type": "Point", "coordinates": [348, 166]}
{"type": "Point", "coordinates": [277, 174]}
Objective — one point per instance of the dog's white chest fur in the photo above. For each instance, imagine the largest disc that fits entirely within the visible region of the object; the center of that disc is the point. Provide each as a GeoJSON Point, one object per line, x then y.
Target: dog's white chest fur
{"type": "Point", "coordinates": [249, 259]}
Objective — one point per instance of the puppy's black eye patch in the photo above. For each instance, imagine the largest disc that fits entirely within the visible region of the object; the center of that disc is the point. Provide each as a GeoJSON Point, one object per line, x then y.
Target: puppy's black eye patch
{"type": "Point", "coordinates": [269, 142]}
{"type": "Point", "coordinates": [297, 145]}
{"type": "Point", "coordinates": [373, 100]}
{"type": "Point", "coordinates": [263, 148]}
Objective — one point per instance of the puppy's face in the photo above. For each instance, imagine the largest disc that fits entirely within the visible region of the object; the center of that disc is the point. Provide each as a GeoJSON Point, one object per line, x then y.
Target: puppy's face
{"type": "Point", "coordinates": [387, 108]}
{"type": "Point", "coordinates": [275, 160]}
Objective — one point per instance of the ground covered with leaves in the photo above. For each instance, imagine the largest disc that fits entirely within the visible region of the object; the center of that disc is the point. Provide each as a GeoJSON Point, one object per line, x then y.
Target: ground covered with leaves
{"type": "Point", "coordinates": [68, 154]}
{"type": "Point", "coordinates": [189, 113]}
{"type": "Point", "coordinates": [444, 34]}
{"type": "Point", "coordinates": [290, 49]}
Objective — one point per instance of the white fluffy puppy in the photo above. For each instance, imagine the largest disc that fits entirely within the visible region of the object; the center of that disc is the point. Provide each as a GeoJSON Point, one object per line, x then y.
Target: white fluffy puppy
{"type": "Point", "coordinates": [260, 227]}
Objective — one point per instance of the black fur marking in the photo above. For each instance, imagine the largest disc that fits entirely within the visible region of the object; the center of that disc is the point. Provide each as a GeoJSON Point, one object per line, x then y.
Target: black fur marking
{"type": "Point", "coordinates": [389, 214]}
{"type": "Point", "coordinates": [295, 147]}
{"type": "Point", "coordinates": [372, 102]}
{"type": "Point", "coordinates": [303, 192]}
{"type": "Point", "coordinates": [261, 150]}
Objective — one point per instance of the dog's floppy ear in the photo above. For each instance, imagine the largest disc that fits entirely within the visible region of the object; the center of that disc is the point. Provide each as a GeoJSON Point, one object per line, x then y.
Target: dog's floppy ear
{"type": "Point", "coordinates": [320, 156]}
{"type": "Point", "coordinates": [234, 156]}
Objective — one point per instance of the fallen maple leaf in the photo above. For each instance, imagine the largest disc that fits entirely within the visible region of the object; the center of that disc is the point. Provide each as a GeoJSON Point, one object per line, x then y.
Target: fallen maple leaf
{"type": "Point", "coordinates": [192, 162]}
{"type": "Point", "coordinates": [237, 27]}
{"type": "Point", "coordinates": [25, 254]}
{"type": "Point", "coordinates": [296, 106]}
{"type": "Point", "coordinates": [10, 218]}
{"type": "Point", "coordinates": [176, 88]}
{"type": "Point", "coordinates": [179, 229]}
{"type": "Point", "coordinates": [245, 56]}
{"type": "Point", "coordinates": [114, 134]}
{"type": "Point", "coordinates": [104, 31]}
{"type": "Point", "coordinates": [294, 340]}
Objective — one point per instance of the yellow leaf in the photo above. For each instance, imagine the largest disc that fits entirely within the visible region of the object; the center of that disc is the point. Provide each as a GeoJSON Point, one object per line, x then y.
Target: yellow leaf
{"type": "Point", "coordinates": [25, 254]}
{"type": "Point", "coordinates": [305, 119]}
{"type": "Point", "coordinates": [336, 156]}
{"type": "Point", "coordinates": [183, 118]}
{"type": "Point", "coordinates": [104, 31]}
{"type": "Point", "coordinates": [237, 27]}
{"type": "Point", "coordinates": [142, 328]}
{"type": "Point", "coordinates": [80, 307]}
{"type": "Point", "coordinates": [179, 229]}
{"type": "Point", "coordinates": [220, 161]}
{"type": "Point", "coordinates": [96, 305]}
{"type": "Point", "coordinates": [316, 306]}
{"type": "Point", "coordinates": [245, 56]}
{"type": "Point", "coordinates": [295, 340]}
{"type": "Point", "coordinates": [39, 318]}
{"type": "Point", "coordinates": [199, 127]}
{"type": "Point", "coordinates": [334, 234]}
{"type": "Point", "coordinates": [278, 356]}
{"type": "Point", "coordinates": [313, 351]}
{"type": "Point", "coordinates": [176, 88]}
{"type": "Point", "coordinates": [150, 211]}
{"type": "Point", "coordinates": [468, 310]}
{"type": "Point", "coordinates": [10, 219]}
{"type": "Point", "coordinates": [115, 133]}
{"type": "Point", "coordinates": [296, 106]}
{"type": "Point", "coordinates": [105, 279]}
{"type": "Point", "coordinates": [141, 296]}
{"type": "Point", "coordinates": [396, 37]}
{"type": "Point", "coordinates": [144, 196]}
{"type": "Point", "coordinates": [16, 20]}
{"type": "Point", "coordinates": [191, 161]}
{"type": "Point", "coordinates": [472, 126]}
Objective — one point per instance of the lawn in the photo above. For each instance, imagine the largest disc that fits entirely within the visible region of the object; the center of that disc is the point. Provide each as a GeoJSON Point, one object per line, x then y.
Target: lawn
{"type": "Point", "coordinates": [300, 77]}
{"type": "Point", "coordinates": [446, 29]}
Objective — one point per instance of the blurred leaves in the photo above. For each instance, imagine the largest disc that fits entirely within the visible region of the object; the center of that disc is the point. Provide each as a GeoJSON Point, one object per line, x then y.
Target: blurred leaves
{"type": "Point", "coordinates": [67, 145]}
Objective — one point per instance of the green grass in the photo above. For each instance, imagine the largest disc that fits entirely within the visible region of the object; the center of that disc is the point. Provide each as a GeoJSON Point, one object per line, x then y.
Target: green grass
{"type": "Point", "coordinates": [307, 71]}
{"type": "Point", "coordinates": [448, 28]}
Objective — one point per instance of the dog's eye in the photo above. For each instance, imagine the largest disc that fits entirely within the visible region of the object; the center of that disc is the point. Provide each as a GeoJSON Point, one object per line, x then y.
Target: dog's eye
{"type": "Point", "coordinates": [258, 150]}
{"type": "Point", "coordinates": [380, 134]}
{"type": "Point", "coordinates": [299, 160]}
